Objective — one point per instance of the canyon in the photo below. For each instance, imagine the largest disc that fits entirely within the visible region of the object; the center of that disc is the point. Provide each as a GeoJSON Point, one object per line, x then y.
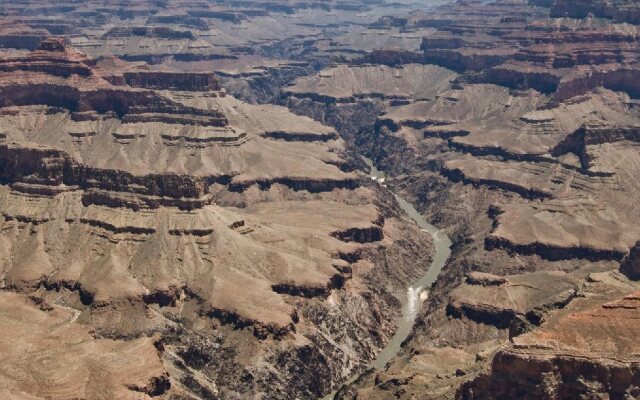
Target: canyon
{"type": "Point", "coordinates": [305, 200]}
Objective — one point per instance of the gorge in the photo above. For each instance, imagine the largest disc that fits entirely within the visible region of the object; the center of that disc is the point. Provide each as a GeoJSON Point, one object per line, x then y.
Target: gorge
{"type": "Point", "coordinates": [279, 199]}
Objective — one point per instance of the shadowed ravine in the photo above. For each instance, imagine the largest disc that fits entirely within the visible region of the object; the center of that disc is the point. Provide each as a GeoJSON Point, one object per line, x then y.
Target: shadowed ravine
{"type": "Point", "coordinates": [413, 301]}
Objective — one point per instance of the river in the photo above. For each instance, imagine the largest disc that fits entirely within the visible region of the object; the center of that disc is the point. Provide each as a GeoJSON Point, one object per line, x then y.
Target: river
{"type": "Point", "coordinates": [413, 300]}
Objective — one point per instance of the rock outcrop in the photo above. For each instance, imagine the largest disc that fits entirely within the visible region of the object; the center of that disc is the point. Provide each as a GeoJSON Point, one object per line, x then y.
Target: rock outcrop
{"type": "Point", "coordinates": [630, 265]}
{"type": "Point", "coordinates": [569, 358]}
{"type": "Point", "coordinates": [619, 10]}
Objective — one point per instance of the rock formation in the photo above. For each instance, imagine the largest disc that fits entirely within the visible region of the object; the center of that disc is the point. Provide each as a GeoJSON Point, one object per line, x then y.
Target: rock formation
{"type": "Point", "coordinates": [630, 265]}
{"type": "Point", "coordinates": [158, 211]}
{"type": "Point", "coordinates": [569, 357]}
{"type": "Point", "coordinates": [185, 213]}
